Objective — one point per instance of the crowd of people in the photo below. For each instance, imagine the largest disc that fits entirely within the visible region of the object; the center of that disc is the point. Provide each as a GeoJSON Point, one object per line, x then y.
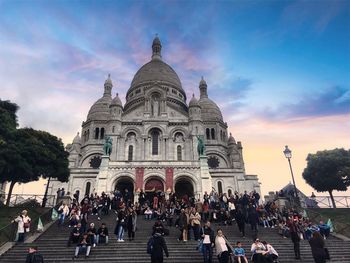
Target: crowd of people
{"type": "Point", "coordinates": [193, 218]}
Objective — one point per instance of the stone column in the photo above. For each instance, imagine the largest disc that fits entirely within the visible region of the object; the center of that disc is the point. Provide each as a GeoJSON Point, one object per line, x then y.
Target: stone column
{"type": "Point", "coordinates": [101, 180]}
{"type": "Point", "coordinates": [205, 175]}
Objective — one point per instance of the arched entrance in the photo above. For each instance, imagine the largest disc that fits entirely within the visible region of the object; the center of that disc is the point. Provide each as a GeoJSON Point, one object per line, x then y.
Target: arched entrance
{"type": "Point", "coordinates": [153, 186]}
{"type": "Point", "coordinates": [184, 187]}
{"type": "Point", "coordinates": [126, 186]}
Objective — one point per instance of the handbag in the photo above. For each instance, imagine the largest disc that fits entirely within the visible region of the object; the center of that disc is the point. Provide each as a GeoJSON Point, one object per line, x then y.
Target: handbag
{"type": "Point", "coordinates": [326, 252]}
{"type": "Point", "coordinates": [200, 244]}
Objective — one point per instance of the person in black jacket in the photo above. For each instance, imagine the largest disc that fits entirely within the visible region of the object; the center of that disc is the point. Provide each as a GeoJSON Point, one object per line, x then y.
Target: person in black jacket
{"type": "Point", "coordinates": [318, 248]}
{"type": "Point", "coordinates": [240, 221]}
{"type": "Point", "coordinates": [159, 245]}
{"type": "Point", "coordinates": [34, 256]}
{"type": "Point", "coordinates": [102, 234]}
{"type": "Point", "coordinates": [75, 234]}
{"type": "Point", "coordinates": [208, 238]}
{"type": "Point", "coordinates": [84, 245]}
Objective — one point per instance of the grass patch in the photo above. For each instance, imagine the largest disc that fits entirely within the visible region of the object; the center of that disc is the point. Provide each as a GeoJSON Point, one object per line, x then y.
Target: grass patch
{"type": "Point", "coordinates": [341, 215]}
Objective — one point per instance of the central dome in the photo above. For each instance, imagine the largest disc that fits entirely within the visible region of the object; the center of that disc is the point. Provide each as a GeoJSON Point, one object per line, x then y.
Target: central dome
{"type": "Point", "coordinates": [156, 70]}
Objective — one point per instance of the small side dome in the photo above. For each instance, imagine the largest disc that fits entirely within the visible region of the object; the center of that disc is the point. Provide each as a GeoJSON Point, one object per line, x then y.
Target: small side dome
{"type": "Point", "coordinates": [193, 102]}
{"type": "Point", "coordinates": [231, 140]}
{"type": "Point", "coordinates": [116, 101]}
{"type": "Point", "coordinates": [77, 139]}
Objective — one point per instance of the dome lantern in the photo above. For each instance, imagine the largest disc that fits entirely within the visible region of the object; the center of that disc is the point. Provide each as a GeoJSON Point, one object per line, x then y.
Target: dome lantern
{"type": "Point", "coordinates": [156, 49]}
{"type": "Point", "coordinates": [108, 86]}
{"type": "Point", "coordinates": [203, 88]}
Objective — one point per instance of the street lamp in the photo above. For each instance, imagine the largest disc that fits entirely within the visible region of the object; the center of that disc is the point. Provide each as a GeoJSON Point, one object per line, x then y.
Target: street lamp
{"type": "Point", "coordinates": [288, 153]}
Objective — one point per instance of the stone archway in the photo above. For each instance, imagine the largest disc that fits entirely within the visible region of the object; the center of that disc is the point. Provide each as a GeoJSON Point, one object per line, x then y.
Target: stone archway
{"type": "Point", "coordinates": [153, 186]}
{"type": "Point", "coordinates": [125, 185]}
{"type": "Point", "coordinates": [184, 187]}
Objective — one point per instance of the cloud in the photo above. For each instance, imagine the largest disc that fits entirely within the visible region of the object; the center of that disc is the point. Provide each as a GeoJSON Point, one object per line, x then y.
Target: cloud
{"type": "Point", "coordinates": [332, 101]}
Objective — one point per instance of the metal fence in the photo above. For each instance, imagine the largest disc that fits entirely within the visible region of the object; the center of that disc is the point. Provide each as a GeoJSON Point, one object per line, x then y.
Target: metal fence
{"type": "Point", "coordinates": [326, 201]}
{"type": "Point", "coordinates": [34, 200]}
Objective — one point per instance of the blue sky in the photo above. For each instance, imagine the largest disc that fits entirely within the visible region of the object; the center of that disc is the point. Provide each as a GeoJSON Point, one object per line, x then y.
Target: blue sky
{"type": "Point", "coordinates": [278, 69]}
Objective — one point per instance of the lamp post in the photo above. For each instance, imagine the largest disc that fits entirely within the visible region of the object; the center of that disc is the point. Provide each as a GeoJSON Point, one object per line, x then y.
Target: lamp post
{"type": "Point", "coordinates": [288, 154]}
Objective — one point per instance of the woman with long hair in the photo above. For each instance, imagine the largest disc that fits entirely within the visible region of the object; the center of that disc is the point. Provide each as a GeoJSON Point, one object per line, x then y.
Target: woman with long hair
{"type": "Point", "coordinates": [221, 247]}
{"type": "Point", "coordinates": [318, 249]}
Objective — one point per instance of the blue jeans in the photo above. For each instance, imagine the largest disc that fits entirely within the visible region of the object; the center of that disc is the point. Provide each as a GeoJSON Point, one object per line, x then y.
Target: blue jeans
{"type": "Point", "coordinates": [207, 253]}
{"type": "Point", "coordinates": [61, 218]}
{"type": "Point", "coordinates": [120, 232]}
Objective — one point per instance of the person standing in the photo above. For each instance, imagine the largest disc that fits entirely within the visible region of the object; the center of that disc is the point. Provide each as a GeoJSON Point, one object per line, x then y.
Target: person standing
{"type": "Point", "coordinates": [318, 248]}
{"type": "Point", "coordinates": [34, 256]}
{"type": "Point", "coordinates": [23, 221]}
{"type": "Point", "coordinates": [240, 221]}
{"type": "Point", "coordinates": [158, 246]}
{"type": "Point", "coordinates": [131, 223]}
{"type": "Point", "coordinates": [221, 247]}
{"type": "Point", "coordinates": [207, 235]}
{"type": "Point", "coordinates": [294, 234]}
{"type": "Point", "coordinates": [63, 211]}
{"type": "Point", "coordinates": [121, 224]}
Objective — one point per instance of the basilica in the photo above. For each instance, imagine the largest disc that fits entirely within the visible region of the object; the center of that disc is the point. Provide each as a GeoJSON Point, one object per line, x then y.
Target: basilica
{"type": "Point", "coordinates": [154, 137]}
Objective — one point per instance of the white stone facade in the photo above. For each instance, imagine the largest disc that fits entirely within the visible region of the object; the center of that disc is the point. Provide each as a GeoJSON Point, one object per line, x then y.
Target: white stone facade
{"type": "Point", "coordinates": [155, 138]}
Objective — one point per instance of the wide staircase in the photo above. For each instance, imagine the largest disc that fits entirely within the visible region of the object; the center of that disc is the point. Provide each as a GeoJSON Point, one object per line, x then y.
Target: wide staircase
{"type": "Point", "coordinates": [53, 245]}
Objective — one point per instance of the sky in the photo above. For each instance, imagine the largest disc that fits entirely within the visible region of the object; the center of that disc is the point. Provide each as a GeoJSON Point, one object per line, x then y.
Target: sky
{"type": "Point", "coordinates": [279, 70]}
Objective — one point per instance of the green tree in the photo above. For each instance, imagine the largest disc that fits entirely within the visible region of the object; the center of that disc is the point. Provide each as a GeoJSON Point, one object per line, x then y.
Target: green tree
{"type": "Point", "coordinates": [27, 154]}
{"type": "Point", "coordinates": [328, 170]}
{"type": "Point", "coordinates": [8, 120]}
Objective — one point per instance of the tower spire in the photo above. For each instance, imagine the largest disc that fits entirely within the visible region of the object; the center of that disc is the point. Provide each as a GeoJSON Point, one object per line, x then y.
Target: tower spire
{"type": "Point", "coordinates": [203, 88]}
{"type": "Point", "coordinates": [108, 86]}
{"type": "Point", "coordinates": [156, 48]}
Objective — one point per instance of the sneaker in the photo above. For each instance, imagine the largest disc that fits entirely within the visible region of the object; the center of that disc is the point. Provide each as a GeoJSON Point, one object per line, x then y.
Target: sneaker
{"type": "Point", "coordinates": [122, 240]}
{"type": "Point", "coordinates": [118, 240]}
{"type": "Point", "coordinates": [94, 245]}
{"type": "Point", "coordinates": [98, 218]}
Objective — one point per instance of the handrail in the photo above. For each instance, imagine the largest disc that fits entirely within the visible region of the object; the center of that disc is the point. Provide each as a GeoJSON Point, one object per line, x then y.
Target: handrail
{"type": "Point", "coordinates": [8, 233]}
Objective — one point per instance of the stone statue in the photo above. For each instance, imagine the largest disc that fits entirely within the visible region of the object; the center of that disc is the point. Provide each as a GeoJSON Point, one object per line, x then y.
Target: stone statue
{"type": "Point", "coordinates": [200, 145]}
{"type": "Point", "coordinates": [107, 147]}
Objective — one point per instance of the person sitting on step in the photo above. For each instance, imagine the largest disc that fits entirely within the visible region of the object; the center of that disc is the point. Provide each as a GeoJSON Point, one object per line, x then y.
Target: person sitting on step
{"type": "Point", "coordinates": [84, 245]}
{"type": "Point", "coordinates": [102, 234]}
{"type": "Point", "coordinates": [92, 234]}
{"type": "Point", "coordinates": [75, 234]}
{"type": "Point", "coordinates": [239, 254]}
{"type": "Point", "coordinates": [148, 213]}
{"type": "Point", "coordinates": [272, 255]}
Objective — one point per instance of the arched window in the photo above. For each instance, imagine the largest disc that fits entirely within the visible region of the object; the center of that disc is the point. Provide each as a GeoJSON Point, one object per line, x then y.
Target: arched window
{"type": "Point", "coordinates": [88, 134]}
{"type": "Point", "coordinates": [102, 135]}
{"type": "Point", "coordinates": [130, 152]}
{"type": "Point", "coordinates": [221, 136]}
{"type": "Point", "coordinates": [85, 136]}
{"type": "Point", "coordinates": [229, 192]}
{"type": "Point", "coordinates": [220, 187]}
{"type": "Point", "coordinates": [113, 128]}
{"type": "Point", "coordinates": [207, 131]}
{"type": "Point", "coordinates": [179, 153]}
{"type": "Point", "coordinates": [87, 188]}
{"type": "Point", "coordinates": [155, 139]}
{"type": "Point", "coordinates": [212, 133]}
{"type": "Point", "coordinates": [97, 133]}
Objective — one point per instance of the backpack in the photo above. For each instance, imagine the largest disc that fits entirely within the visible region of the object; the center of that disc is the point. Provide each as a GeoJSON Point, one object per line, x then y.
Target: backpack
{"type": "Point", "coordinates": [37, 258]}
{"type": "Point", "coordinates": [150, 244]}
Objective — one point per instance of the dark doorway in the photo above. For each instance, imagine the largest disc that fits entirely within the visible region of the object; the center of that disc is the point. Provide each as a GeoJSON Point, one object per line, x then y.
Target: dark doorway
{"type": "Point", "coordinates": [153, 187]}
{"type": "Point", "coordinates": [184, 187]}
{"type": "Point", "coordinates": [124, 184]}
